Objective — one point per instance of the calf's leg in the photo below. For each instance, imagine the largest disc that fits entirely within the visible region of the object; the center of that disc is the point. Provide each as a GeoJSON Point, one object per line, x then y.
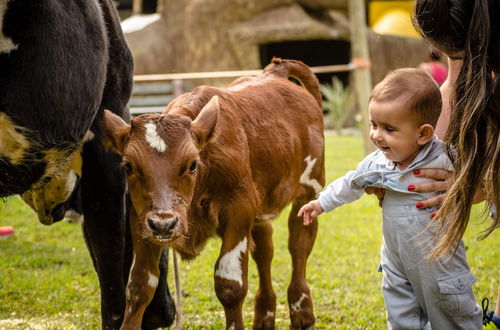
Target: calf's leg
{"type": "Point", "coordinates": [265, 298]}
{"type": "Point", "coordinates": [143, 278]}
{"type": "Point", "coordinates": [230, 278]}
{"type": "Point", "coordinates": [160, 312]}
{"type": "Point", "coordinates": [300, 243]}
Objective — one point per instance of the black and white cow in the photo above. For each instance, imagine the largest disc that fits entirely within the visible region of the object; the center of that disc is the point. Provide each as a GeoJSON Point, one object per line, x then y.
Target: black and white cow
{"type": "Point", "coordinates": [61, 63]}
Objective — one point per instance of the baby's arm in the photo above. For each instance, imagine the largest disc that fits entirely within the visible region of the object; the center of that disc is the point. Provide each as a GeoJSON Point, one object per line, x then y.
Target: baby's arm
{"type": "Point", "coordinates": [310, 211]}
{"type": "Point", "coordinates": [336, 194]}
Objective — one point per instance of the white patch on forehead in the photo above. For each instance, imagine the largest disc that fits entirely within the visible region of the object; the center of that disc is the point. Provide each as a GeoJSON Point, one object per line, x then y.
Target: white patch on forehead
{"type": "Point", "coordinates": [296, 306]}
{"type": "Point", "coordinates": [232, 327]}
{"type": "Point", "coordinates": [230, 263]}
{"type": "Point", "coordinates": [155, 141]}
{"type": "Point", "coordinates": [269, 314]}
{"type": "Point", "coordinates": [153, 280]}
{"type": "Point", "coordinates": [6, 43]}
{"type": "Point", "coordinates": [306, 179]}
{"type": "Point", "coordinates": [13, 144]}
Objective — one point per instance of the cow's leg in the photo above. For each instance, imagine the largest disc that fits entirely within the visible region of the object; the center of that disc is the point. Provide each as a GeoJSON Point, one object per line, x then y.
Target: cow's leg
{"type": "Point", "coordinates": [265, 298]}
{"type": "Point", "coordinates": [143, 278]}
{"type": "Point", "coordinates": [103, 199]}
{"type": "Point", "coordinates": [231, 271]}
{"type": "Point", "coordinates": [300, 243]}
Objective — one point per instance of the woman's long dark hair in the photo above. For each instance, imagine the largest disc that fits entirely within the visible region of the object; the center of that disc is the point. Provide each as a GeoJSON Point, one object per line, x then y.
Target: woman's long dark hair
{"type": "Point", "coordinates": [468, 29]}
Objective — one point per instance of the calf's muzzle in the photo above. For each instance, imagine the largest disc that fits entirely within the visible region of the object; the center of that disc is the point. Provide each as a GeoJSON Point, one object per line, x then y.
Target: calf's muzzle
{"type": "Point", "coordinates": [162, 226]}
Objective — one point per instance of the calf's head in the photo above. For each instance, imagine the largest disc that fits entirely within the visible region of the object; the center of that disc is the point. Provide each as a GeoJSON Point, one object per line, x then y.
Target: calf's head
{"type": "Point", "coordinates": [161, 158]}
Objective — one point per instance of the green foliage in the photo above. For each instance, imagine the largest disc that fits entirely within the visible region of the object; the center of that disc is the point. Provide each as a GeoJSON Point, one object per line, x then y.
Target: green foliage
{"type": "Point", "coordinates": [47, 280]}
{"type": "Point", "coordinates": [336, 104]}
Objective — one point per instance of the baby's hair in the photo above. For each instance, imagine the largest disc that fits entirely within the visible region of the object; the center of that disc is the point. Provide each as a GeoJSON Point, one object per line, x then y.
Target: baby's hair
{"type": "Point", "coordinates": [415, 88]}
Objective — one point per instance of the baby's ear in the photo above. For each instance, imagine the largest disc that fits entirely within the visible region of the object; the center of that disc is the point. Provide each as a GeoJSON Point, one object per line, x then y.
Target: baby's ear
{"type": "Point", "coordinates": [426, 132]}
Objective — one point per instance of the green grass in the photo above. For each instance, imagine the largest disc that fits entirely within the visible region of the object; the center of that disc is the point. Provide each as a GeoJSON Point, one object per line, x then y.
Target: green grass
{"type": "Point", "coordinates": [47, 279]}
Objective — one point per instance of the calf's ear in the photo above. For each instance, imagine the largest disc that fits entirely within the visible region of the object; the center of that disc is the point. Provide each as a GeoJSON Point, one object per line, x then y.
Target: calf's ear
{"type": "Point", "coordinates": [204, 124]}
{"type": "Point", "coordinates": [116, 131]}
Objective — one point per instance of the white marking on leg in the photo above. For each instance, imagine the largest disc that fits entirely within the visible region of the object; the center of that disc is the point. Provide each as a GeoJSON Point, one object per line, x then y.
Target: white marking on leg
{"type": "Point", "coordinates": [153, 281]}
{"type": "Point", "coordinates": [296, 306]}
{"type": "Point", "coordinates": [267, 217]}
{"type": "Point", "coordinates": [155, 141]}
{"type": "Point", "coordinates": [306, 179]}
{"type": "Point", "coordinates": [6, 43]}
{"type": "Point", "coordinates": [131, 268]}
{"type": "Point", "coordinates": [127, 291]}
{"type": "Point", "coordinates": [232, 327]}
{"type": "Point", "coordinates": [269, 314]}
{"type": "Point", "coordinates": [230, 263]}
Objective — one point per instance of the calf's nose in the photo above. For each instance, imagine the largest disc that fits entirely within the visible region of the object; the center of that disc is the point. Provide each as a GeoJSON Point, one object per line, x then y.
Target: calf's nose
{"type": "Point", "coordinates": [162, 227]}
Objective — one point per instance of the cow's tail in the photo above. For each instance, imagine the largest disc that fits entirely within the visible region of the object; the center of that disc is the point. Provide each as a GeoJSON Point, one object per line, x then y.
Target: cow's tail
{"type": "Point", "coordinates": [298, 70]}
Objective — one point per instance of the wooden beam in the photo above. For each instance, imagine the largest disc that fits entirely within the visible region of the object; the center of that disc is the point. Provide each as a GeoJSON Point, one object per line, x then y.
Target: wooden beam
{"type": "Point", "coordinates": [362, 81]}
{"type": "Point", "coordinates": [229, 74]}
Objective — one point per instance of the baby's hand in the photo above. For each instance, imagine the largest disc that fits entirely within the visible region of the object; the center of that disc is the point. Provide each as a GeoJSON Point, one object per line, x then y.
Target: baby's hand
{"type": "Point", "coordinates": [310, 211]}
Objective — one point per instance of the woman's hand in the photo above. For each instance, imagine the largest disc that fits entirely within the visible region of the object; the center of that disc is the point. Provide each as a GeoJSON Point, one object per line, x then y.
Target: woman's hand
{"type": "Point", "coordinates": [441, 185]}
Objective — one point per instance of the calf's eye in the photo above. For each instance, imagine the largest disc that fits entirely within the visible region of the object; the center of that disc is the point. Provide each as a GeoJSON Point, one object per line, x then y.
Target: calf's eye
{"type": "Point", "coordinates": [127, 167]}
{"type": "Point", "coordinates": [193, 166]}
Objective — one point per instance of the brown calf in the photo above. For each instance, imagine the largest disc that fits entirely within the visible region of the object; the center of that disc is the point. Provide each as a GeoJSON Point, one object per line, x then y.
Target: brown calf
{"type": "Point", "coordinates": [226, 162]}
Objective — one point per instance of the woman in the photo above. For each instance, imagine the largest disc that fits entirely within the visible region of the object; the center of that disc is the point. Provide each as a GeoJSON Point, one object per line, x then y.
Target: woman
{"type": "Point", "coordinates": [467, 31]}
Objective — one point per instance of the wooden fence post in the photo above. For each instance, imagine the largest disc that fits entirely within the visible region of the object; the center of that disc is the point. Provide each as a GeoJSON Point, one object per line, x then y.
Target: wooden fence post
{"type": "Point", "coordinates": [137, 7]}
{"type": "Point", "coordinates": [362, 76]}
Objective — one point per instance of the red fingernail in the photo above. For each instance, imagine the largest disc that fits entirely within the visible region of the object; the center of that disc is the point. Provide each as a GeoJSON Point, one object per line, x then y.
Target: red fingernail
{"type": "Point", "coordinates": [419, 205]}
{"type": "Point", "coordinates": [411, 188]}
{"type": "Point", "coordinates": [416, 172]}
{"type": "Point", "coordinates": [433, 215]}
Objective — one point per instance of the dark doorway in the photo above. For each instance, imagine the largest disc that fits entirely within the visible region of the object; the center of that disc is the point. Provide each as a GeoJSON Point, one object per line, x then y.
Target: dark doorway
{"type": "Point", "coordinates": [149, 6]}
{"type": "Point", "coordinates": [312, 53]}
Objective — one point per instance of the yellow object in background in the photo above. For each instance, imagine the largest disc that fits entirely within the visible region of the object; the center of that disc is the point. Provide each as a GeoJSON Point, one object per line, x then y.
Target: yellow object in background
{"type": "Point", "coordinates": [392, 17]}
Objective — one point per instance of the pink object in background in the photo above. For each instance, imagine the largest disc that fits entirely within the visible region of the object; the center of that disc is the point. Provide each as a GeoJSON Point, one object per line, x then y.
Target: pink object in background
{"type": "Point", "coordinates": [6, 231]}
{"type": "Point", "coordinates": [439, 72]}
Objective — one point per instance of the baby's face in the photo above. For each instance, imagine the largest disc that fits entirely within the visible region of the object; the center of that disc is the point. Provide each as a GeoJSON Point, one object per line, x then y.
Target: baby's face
{"type": "Point", "coordinates": [395, 131]}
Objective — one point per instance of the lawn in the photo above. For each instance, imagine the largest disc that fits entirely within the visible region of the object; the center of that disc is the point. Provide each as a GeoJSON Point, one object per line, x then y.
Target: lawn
{"type": "Point", "coordinates": [47, 280]}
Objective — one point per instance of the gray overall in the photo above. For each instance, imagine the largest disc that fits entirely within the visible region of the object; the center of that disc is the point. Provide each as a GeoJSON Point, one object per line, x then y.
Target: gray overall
{"type": "Point", "coordinates": [418, 293]}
